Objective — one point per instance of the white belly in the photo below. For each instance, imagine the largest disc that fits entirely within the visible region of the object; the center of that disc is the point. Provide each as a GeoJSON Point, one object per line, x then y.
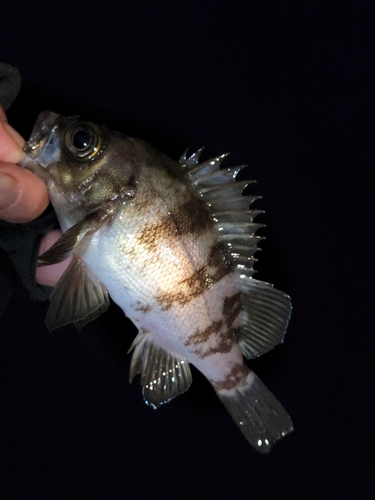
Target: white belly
{"type": "Point", "coordinates": [134, 284]}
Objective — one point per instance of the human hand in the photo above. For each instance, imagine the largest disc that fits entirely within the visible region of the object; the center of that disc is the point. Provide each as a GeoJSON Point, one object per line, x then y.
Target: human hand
{"type": "Point", "coordinates": [23, 196]}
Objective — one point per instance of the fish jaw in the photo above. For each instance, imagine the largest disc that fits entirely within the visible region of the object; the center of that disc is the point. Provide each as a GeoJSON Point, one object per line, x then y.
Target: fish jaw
{"type": "Point", "coordinates": [44, 145]}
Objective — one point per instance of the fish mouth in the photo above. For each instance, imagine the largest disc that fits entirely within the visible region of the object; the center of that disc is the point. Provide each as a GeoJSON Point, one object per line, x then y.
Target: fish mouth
{"type": "Point", "coordinates": [43, 127]}
{"type": "Point", "coordinates": [43, 146]}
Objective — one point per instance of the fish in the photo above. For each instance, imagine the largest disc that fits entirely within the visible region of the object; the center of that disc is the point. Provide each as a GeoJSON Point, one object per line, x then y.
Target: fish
{"type": "Point", "coordinates": [173, 243]}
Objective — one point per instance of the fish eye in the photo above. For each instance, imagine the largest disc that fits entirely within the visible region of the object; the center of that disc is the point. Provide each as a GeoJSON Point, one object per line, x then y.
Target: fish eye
{"type": "Point", "coordinates": [84, 140]}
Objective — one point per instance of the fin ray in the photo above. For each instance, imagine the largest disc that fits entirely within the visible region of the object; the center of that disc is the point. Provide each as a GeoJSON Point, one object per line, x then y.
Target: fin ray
{"type": "Point", "coordinates": [229, 188]}
{"type": "Point", "coordinates": [67, 242]}
{"type": "Point", "coordinates": [217, 177]}
{"type": "Point", "coordinates": [163, 375]}
{"type": "Point", "coordinates": [235, 216]}
{"type": "Point", "coordinates": [264, 317]}
{"type": "Point", "coordinates": [205, 168]}
{"type": "Point", "coordinates": [239, 203]}
{"type": "Point", "coordinates": [78, 297]}
{"type": "Point", "coordinates": [259, 415]}
{"type": "Point", "coordinates": [192, 160]}
{"type": "Point", "coordinates": [249, 228]}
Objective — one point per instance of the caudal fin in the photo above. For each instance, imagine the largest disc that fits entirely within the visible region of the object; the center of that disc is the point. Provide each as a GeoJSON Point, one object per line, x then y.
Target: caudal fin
{"type": "Point", "coordinates": [258, 414]}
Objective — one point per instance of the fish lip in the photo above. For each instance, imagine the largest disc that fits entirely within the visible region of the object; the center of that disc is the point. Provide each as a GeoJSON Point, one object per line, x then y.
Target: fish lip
{"type": "Point", "coordinates": [44, 144]}
{"type": "Point", "coordinates": [33, 166]}
{"type": "Point", "coordinates": [45, 123]}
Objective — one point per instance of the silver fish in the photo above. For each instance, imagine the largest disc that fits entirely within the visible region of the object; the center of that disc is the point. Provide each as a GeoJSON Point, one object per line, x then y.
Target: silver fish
{"type": "Point", "coordinates": [173, 244]}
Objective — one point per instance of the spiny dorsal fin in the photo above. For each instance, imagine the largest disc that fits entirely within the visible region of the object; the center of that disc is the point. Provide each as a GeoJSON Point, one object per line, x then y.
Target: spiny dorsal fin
{"type": "Point", "coordinates": [78, 297]}
{"type": "Point", "coordinates": [233, 219]}
{"type": "Point", "coordinates": [163, 375]}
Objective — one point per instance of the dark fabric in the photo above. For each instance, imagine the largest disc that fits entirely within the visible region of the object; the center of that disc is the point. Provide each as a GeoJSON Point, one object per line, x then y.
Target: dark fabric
{"type": "Point", "coordinates": [21, 243]}
{"type": "Point", "coordinates": [10, 83]}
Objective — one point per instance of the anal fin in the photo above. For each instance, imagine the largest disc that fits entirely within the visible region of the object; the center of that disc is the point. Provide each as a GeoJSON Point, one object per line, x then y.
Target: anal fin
{"type": "Point", "coordinates": [163, 375]}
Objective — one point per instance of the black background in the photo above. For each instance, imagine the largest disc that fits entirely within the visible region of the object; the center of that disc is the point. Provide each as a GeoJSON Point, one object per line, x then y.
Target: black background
{"type": "Point", "coordinates": [287, 87]}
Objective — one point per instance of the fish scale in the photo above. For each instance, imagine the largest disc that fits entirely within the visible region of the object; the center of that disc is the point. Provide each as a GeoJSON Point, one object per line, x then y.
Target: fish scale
{"type": "Point", "coordinates": [173, 244]}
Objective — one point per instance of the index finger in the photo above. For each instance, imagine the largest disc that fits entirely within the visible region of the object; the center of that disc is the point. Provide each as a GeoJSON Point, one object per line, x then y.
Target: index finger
{"type": "Point", "coordinates": [23, 196]}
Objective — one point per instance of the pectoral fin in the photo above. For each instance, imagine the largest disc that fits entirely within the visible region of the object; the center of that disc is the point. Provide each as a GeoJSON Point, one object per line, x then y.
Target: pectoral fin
{"type": "Point", "coordinates": [78, 297]}
{"type": "Point", "coordinates": [65, 245]}
{"type": "Point", "coordinates": [163, 375]}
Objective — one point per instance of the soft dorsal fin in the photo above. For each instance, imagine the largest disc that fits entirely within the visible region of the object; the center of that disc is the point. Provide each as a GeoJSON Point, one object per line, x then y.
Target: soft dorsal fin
{"type": "Point", "coordinates": [78, 297]}
{"type": "Point", "coordinates": [233, 218]}
{"type": "Point", "coordinates": [163, 375]}
{"type": "Point", "coordinates": [264, 317]}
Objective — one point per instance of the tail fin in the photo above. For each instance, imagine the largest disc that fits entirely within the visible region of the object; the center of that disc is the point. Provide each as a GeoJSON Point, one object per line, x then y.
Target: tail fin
{"type": "Point", "coordinates": [258, 414]}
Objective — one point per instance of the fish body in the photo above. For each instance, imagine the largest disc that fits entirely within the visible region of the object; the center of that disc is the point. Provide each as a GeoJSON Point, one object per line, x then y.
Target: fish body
{"type": "Point", "coordinates": [173, 244]}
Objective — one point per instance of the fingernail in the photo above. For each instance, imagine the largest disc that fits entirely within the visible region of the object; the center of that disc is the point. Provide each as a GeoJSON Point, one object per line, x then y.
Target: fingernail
{"type": "Point", "coordinates": [9, 191]}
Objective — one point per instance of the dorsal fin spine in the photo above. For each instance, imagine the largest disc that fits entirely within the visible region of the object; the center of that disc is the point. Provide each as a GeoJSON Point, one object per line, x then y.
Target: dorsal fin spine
{"type": "Point", "coordinates": [230, 209]}
{"type": "Point", "coordinates": [192, 160]}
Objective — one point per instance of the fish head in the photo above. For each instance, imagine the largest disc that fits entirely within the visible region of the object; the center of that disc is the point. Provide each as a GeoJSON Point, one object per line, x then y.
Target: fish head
{"type": "Point", "coordinates": [80, 162]}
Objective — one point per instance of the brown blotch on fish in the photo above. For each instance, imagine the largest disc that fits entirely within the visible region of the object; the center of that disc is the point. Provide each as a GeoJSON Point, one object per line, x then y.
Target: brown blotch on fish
{"type": "Point", "coordinates": [201, 336]}
{"type": "Point", "coordinates": [236, 378]}
{"type": "Point", "coordinates": [195, 285]}
{"type": "Point", "coordinates": [224, 340]}
{"type": "Point", "coordinates": [217, 257]}
{"type": "Point", "coordinates": [149, 236]}
{"type": "Point", "coordinates": [139, 306]}
{"type": "Point", "coordinates": [192, 217]}
{"type": "Point", "coordinates": [188, 219]}
{"type": "Point", "coordinates": [231, 308]}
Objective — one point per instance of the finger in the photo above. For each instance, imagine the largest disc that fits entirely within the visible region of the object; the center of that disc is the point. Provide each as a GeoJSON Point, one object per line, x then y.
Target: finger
{"type": "Point", "coordinates": [23, 196]}
{"type": "Point", "coordinates": [50, 275]}
{"type": "Point", "coordinates": [11, 143]}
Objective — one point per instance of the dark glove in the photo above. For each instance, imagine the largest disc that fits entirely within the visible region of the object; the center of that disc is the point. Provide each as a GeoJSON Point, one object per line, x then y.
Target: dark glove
{"type": "Point", "coordinates": [10, 84]}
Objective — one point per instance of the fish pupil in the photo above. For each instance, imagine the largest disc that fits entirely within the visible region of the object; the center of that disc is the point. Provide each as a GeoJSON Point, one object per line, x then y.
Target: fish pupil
{"type": "Point", "coordinates": [81, 140]}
